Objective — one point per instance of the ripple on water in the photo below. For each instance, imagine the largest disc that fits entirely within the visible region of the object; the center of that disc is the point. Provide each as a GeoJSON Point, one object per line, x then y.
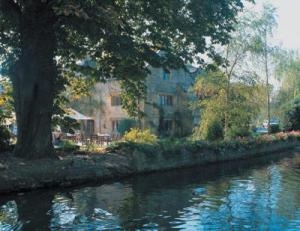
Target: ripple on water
{"type": "Point", "coordinates": [242, 196]}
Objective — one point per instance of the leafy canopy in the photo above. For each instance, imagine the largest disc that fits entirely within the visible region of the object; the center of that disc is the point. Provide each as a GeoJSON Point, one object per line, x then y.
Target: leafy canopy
{"type": "Point", "coordinates": [241, 107]}
{"type": "Point", "coordinates": [6, 101]}
{"type": "Point", "coordinates": [120, 37]}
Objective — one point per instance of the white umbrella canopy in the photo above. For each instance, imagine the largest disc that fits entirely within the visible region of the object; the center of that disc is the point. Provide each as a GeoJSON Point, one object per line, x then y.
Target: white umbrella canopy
{"type": "Point", "coordinates": [77, 115]}
{"type": "Point", "coordinates": [10, 121]}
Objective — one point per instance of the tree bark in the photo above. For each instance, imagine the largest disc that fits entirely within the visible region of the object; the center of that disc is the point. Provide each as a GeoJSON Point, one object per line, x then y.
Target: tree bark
{"type": "Point", "coordinates": [33, 80]}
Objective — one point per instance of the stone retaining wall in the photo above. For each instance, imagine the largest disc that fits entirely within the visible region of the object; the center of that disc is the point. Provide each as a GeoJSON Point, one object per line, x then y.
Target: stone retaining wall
{"type": "Point", "coordinates": [148, 162]}
{"type": "Point", "coordinates": [20, 175]}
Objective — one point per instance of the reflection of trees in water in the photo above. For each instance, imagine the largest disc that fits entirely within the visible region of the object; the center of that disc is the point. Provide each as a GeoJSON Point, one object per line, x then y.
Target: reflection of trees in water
{"type": "Point", "coordinates": [245, 201]}
{"type": "Point", "coordinates": [89, 208]}
{"type": "Point", "coordinates": [289, 198]}
{"type": "Point", "coordinates": [28, 212]}
{"type": "Point", "coordinates": [34, 210]}
{"type": "Point", "coordinates": [252, 199]}
{"type": "Point", "coordinates": [235, 195]}
{"type": "Point", "coordinates": [9, 218]}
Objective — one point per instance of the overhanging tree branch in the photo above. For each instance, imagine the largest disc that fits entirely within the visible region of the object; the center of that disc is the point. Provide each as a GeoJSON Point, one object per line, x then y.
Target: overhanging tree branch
{"type": "Point", "coordinates": [11, 10]}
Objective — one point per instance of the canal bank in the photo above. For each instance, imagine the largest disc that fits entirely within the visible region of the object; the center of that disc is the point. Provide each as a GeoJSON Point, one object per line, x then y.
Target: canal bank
{"type": "Point", "coordinates": [127, 159]}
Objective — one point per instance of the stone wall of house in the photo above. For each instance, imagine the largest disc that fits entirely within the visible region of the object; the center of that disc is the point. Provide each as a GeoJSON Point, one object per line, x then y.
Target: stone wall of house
{"type": "Point", "coordinates": [175, 84]}
{"type": "Point", "coordinates": [107, 117]}
{"type": "Point", "coordinates": [172, 87]}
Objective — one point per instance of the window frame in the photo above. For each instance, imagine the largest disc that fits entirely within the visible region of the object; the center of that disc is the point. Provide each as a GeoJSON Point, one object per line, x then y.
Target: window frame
{"type": "Point", "coordinates": [115, 101]}
{"type": "Point", "coordinates": [166, 100]}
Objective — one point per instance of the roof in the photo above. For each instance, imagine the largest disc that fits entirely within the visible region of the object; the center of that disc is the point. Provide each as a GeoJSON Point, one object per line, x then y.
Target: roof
{"type": "Point", "coordinates": [77, 115]}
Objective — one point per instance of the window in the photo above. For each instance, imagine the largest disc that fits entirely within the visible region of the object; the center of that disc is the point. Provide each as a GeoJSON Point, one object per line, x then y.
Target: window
{"type": "Point", "coordinates": [166, 126]}
{"type": "Point", "coordinates": [116, 100]}
{"type": "Point", "coordinates": [90, 127]}
{"type": "Point", "coordinates": [115, 125]}
{"type": "Point", "coordinates": [166, 75]}
{"type": "Point", "coordinates": [165, 100]}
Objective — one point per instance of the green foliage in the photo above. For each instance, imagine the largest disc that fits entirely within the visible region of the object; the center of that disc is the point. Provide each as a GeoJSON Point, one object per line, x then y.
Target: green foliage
{"type": "Point", "coordinates": [288, 71]}
{"type": "Point", "coordinates": [78, 87]}
{"type": "Point", "coordinates": [136, 33]}
{"type": "Point", "coordinates": [125, 125]}
{"type": "Point", "coordinates": [214, 131]}
{"type": "Point", "coordinates": [140, 136]}
{"type": "Point", "coordinates": [292, 116]}
{"type": "Point", "coordinates": [274, 128]}
{"type": "Point", "coordinates": [67, 124]}
{"type": "Point", "coordinates": [6, 101]}
{"type": "Point", "coordinates": [67, 146]}
{"type": "Point", "coordinates": [238, 107]}
{"type": "Point", "coordinates": [60, 115]}
{"type": "Point", "coordinates": [285, 103]}
{"type": "Point", "coordinates": [169, 147]}
{"type": "Point", "coordinates": [209, 88]}
{"type": "Point", "coordinates": [236, 132]}
{"type": "Point", "coordinates": [91, 147]}
{"type": "Point", "coordinates": [231, 92]}
{"type": "Point", "coordinates": [263, 51]}
{"type": "Point", "coordinates": [133, 92]}
{"type": "Point", "coordinates": [4, 138]}
{"type": "Point", "coordinates": [263, 25]}
{"type": "Point", "coordinates": [101, 39]}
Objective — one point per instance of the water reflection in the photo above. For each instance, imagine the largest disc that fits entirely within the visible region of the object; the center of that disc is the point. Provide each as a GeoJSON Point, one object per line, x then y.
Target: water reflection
{"type": "Point", "coordinates": [249, 195]}
{"type": "Point", "coordinates": [9, 218]}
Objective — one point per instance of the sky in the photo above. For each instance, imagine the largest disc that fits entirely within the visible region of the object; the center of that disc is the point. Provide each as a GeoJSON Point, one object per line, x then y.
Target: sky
{"type": "Point", "coordinates": [288, 32]}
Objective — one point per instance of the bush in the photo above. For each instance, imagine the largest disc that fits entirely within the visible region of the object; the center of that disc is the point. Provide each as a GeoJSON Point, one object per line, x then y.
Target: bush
{"type": "Point", "coordinates": [236, 132]}
{"type": "Point", "coordinates": [215, 131]}
{"type": "Point", "coordinates": [140, 136]}
{"type": "Point", "coordinates": [274, 128]}
{"type": "Point", "coordinates": [292, 117]}
{"type": "Point", "coordinates": [210, 129]}
{"type": "Point", "coordinates": [4, 138]}
{"type": "Point", "coordinates": [92, 147]}
{"type": "Point", "coordinates": [68, 146]}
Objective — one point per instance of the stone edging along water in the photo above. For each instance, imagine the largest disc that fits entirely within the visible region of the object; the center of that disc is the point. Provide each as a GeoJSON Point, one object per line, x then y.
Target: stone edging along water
{"type": "Point", "coordinates": [18, 175]}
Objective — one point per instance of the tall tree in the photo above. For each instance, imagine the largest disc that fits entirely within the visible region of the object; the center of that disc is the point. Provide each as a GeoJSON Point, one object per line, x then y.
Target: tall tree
{"type": "Point", "coordinates": [236, 54]}
{"type": "Point", "coordinates": [288, 72]}
{"type": "Point", "coordinates": [42, 39]}
{"type": "Point", "coordinates": [264, 25]}
{"type": "Point", "coordinates": [238, 110]}
{"type": "Point", "coordinates": [286, 100]}
{"type": "Point", "coordinates": [237, 70]}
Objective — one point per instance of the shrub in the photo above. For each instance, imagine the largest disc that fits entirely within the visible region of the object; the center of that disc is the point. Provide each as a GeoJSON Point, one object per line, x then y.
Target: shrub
{"type": "Point", "coordinates": [281, 136]}
{"type": "Point", "coordinates": [140, 136]}
{"type": "Point", "coordinates": [215, 131]}
{"type": "Point", "coordinates": [210, 129]}
{"type": "Point", "coordinates": [274, 128]}
{"type": "Point", "coordinates": [4, 138]}
{"type": "Point", "coordinates": [236, 132]}
{"type": "Point", "coordinates": [292, 116]}
{"type": "Point", "coordinates": [171, 145]}
{"type": "Point", "coordinates": [68, 146]}
{"type": "Point", "coordinates": [92, 147]}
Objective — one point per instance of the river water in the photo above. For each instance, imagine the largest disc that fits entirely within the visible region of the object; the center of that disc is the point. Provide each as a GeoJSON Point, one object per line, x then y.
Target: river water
{"type": "Point", "coordinates": [261, 194]}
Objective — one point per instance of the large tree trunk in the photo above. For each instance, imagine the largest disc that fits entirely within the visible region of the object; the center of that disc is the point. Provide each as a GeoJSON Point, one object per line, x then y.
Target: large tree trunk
{"type": "Point", "coordinates": [33, 81]}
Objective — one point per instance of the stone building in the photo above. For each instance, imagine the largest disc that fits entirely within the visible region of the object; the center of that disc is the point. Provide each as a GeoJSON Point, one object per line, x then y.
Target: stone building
{"type": "Point", "coordinates": [166, 108]}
